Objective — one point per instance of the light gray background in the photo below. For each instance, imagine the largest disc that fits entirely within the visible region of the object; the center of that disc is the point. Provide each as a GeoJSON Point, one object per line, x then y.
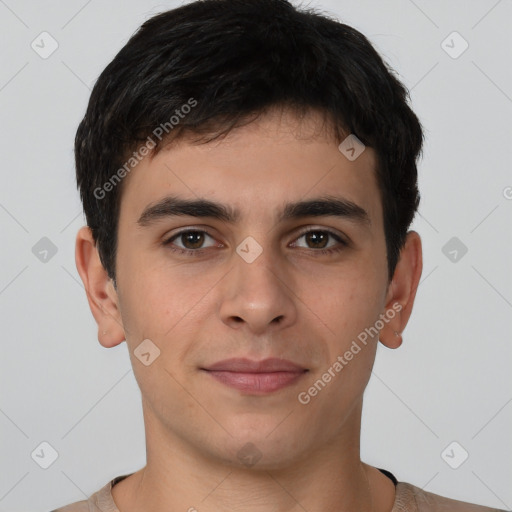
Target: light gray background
{"type": "Point", "coordinates": [451, 379]}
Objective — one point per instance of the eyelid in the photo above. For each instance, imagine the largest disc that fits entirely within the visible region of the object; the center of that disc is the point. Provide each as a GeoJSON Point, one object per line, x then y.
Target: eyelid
{"type": "Point", "coordinates": [189, 229]}
{"type": "Point", "coordinates": [169, 240]}
{"type": "Point", "coordinates": [331, 231]}
{"type": "Point", "coordinates": [302, 231]}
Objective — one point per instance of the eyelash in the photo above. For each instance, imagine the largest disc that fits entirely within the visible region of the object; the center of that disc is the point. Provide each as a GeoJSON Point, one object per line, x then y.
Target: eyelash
{"type": "Point", "coordinates": [198, 252]}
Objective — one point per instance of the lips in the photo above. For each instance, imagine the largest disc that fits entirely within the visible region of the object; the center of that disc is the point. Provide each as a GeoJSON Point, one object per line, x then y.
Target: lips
{"type": "Point", "coordinates": [256, 377]}
{"type": "Point", "coordinates": [250, 366]}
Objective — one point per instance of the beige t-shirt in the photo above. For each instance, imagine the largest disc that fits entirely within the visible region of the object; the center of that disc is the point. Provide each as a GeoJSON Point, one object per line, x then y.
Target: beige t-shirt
{"type": "Point", "coordinates": [408, 498]}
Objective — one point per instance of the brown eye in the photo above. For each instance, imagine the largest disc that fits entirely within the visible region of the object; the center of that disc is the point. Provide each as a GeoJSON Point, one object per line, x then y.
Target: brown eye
{"type": "Point", "coordinates": [191, 240]}
{"type": "Point", "coordinates": [317, 239]}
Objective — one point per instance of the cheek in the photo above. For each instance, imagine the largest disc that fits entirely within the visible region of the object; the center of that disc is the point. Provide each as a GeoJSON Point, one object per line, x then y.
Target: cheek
{"type": "Point", "coordinates": [351, 302]}
{"type": "Point", "coordinates": [145, 301]}
{"type": "Point", "coordinates": [150, 308]}
{"type": "Point", "coordinates": [163, 302]}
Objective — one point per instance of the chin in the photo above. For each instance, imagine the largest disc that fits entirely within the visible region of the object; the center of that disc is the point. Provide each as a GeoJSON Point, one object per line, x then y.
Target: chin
{"type": "Point", "coordinates": [258, 451]}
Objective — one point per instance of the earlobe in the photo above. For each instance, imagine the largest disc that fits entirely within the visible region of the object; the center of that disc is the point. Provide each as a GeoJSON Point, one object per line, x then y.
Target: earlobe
{"type": "Point", "coordinates": [390, 336]}
{"type": "Point", "coordinates": [101, 295]}
{"type": "Point", "coordinates": [402, 291]}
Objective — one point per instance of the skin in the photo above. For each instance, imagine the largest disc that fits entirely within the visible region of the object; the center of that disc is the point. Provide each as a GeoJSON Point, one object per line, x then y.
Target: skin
{"type": "Point", "coordinates": [202, 309]}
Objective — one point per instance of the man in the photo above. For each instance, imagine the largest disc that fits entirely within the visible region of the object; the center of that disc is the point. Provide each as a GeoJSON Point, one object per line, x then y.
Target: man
{"type": "Point", "coordinates": [248, 174]}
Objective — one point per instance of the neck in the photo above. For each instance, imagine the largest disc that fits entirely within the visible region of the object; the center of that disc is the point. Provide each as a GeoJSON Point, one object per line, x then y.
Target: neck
{"type": "Point", "coordinates": [181, 477]}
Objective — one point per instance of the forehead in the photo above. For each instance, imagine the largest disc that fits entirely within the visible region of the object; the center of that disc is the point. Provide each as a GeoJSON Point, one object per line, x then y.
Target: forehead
{"type": "Point", "coordinates": [256, 170]}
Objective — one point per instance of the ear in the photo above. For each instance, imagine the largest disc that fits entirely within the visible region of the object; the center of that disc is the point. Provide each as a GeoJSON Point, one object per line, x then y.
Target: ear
{"type": "Point", "coordinates": [402, 291]}
{"type": "Point", "coordinates": [101, 294]}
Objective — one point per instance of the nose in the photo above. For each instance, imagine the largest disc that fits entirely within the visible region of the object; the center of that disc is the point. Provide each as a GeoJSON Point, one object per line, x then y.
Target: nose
{"type": "Point", "coordinates": [258, 296]}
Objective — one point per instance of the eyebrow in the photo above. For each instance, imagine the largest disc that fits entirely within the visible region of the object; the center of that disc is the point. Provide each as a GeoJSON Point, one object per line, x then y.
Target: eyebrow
{"type": "Point", "coordinates": [173, 206]}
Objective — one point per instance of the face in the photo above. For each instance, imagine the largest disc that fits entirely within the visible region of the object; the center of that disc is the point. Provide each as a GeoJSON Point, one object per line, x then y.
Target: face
{"type": "Point", "coordinates": [266, 281]}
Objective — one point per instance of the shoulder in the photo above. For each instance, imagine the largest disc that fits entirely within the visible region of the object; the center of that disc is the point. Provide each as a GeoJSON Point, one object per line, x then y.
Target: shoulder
{"type": "Point", "coordinates": [410, 498]}
{"type": "Point", "coordinates": [79, 506]}
{"type": "Point", "coordinates": [100, 500]}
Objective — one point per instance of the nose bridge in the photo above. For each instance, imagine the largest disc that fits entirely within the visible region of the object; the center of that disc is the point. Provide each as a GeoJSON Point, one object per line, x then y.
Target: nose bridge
{"type": "Point", "coordinates": [257, 269]}
{"type": "Point", "coordinates": [257, 293]}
